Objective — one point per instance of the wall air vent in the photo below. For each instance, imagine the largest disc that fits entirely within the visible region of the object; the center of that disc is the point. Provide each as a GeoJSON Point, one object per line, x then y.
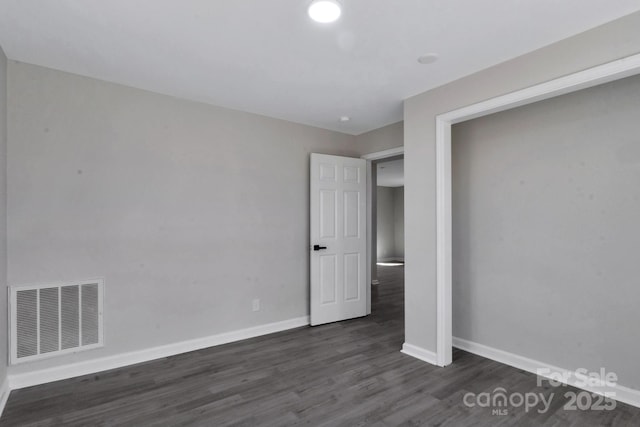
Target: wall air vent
{"type": "Point", "coordinates": [55, 319]}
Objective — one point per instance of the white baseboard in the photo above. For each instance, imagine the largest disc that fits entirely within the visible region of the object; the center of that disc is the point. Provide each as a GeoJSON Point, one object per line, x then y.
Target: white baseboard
{"type": "Point", "coordinates": [4, 394]}
{"type": "Point", "coordinates": [622, 394]}
{"type": "Point", "coordinates": [391, 259]}
{"type": "Point", "coordinates": [57, 373]}
{"type": "Point", "coordinates": [419, 353]}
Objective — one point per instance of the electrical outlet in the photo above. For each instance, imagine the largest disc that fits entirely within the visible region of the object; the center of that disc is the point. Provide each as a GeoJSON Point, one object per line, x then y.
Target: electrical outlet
{"type": "Point", "coordinates": [256, 305]}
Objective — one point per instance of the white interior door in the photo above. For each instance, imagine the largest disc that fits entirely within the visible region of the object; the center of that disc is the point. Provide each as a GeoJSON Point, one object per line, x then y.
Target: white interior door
{"type": "Point", "coordinates": [338, 238]}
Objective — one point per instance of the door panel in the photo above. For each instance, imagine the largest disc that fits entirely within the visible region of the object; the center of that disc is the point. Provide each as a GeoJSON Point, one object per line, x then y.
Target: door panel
{"type": "Point", "coordinates": [351, 214]}
{"type": "Point", "coordinates": [328, 214]}
{"type": "Point", "coordinates": [328, 280]}
{"type": "Point", "coordinates": [351, 276]}
{"type": "Point", "coordinates": [338, 230]}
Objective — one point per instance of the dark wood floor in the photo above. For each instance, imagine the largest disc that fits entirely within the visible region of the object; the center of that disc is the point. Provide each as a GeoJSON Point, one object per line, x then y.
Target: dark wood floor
{"type": "Point", "coordinates": [349, 373]}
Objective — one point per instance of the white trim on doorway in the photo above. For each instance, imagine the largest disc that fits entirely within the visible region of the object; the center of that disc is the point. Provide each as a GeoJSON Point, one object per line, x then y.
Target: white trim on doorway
{"type": "Point", "coordinates": [600, 74]}
{"type": "Point", "coordinates": [385, 154]}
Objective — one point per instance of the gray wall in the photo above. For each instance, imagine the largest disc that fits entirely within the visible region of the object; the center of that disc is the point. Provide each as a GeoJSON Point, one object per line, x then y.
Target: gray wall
{"type": "Point", "coordinates": [390, 223]}
{"type": "Point", "coordinates": [612, 41]}
{"type": "Point", "coordinates": [385, 235]}
{"type": "Point", "coordinates": [384, 138]}
{"type": "Point", "coordinates": [546, 207]}
{"type": "Point", "coordinates": [3, 216]}
{"type": "Point", "coordinates": [189, 211]}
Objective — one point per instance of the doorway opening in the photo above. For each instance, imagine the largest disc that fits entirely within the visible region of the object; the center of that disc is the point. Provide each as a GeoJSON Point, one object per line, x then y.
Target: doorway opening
{"type": "Point", "coordinates": [386, 233]}
{"type": "Point", "coordinates": [390, 212]}
{"type": "Point", "coordinates": [591, 77]}
{"type": "Point", "coordinates": [387, 292]}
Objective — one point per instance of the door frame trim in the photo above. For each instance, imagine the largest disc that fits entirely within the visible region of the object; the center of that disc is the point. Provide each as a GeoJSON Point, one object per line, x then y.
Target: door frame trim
{"type": "Point", "coordinates": [370, 158]}
{"type": "Point", "coordinates": [378, 155]}
{"type": "Point", "coordinates": [600, 74]}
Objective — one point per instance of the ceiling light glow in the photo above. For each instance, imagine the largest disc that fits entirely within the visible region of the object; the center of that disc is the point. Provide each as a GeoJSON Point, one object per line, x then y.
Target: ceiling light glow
{"type": "Point", "coordinates": [324, 11]}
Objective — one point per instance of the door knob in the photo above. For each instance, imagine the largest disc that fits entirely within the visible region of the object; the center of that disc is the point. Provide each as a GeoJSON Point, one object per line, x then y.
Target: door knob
{"type": "Point", "coordinates": [318, 247]}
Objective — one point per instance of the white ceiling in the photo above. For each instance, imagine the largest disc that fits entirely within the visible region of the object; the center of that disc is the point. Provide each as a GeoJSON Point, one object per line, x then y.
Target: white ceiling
{"type": "Point", "coordinates": [267, 57]}
{"type": "Point", "coordinates": [390, 173]}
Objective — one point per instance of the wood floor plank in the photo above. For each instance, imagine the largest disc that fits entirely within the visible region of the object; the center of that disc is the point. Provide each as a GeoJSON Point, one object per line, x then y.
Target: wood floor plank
{"type": "Point", "coordinates": [343, 374]}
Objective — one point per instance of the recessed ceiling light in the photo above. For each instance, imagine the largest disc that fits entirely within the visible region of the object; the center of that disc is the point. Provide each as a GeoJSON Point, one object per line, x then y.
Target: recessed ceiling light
{"type": "Point", "coordinates": [324, 11]}
{"type": "Point", "coordinates": [429, 58]}
{"type": "Point", "coordinates": [345, 118]}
